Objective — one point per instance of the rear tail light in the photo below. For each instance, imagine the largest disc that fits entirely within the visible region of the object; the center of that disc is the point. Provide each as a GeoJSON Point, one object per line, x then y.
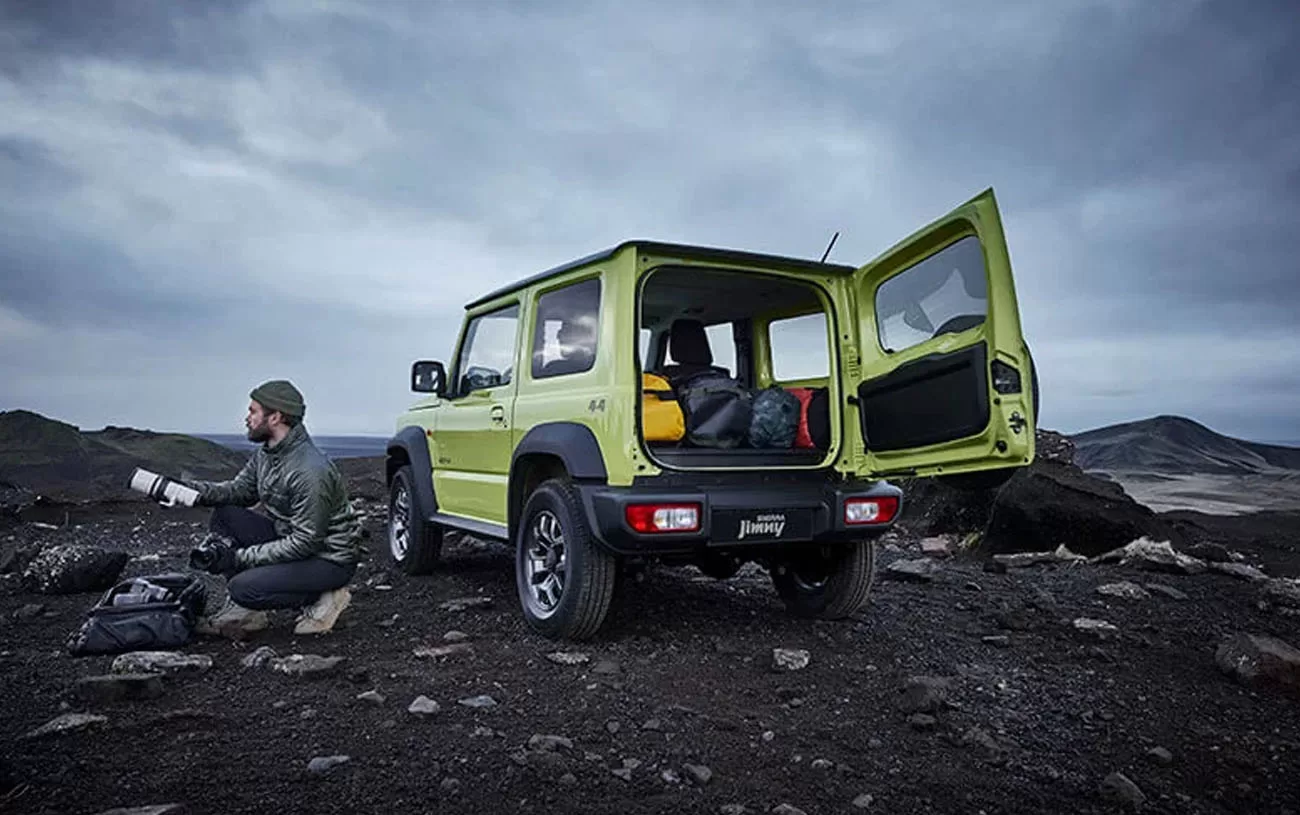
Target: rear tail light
{"type": "Point", "coordinates": [863, 511]}
{"type": "Point", "coordinates": [1005, 378]}
{"type": "Point", "coordinates": [651, 518]}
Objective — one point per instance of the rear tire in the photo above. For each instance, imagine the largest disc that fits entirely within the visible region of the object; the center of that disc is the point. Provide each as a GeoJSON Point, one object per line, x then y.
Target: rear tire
{"type": "Point", "coordinates": [413, 543]}
{"type": "Point", "coordinates": [565, 580]}
{"type": "Point", "coordinates": [828, 582]}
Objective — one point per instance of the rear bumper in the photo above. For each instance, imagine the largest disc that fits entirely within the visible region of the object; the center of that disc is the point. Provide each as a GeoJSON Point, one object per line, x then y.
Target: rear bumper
{"type": "Point", "coordinates": [735, 516]}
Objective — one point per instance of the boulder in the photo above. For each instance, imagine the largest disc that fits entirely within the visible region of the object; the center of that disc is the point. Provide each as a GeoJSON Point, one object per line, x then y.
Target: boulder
{"type": "Point", "coordinates": [1041, 507]}
{"type": "Point", "coordinates": [1051, 503]}
{"type": "Point", "coordinates": [72, 569]}
{"type": "Point", "coordinates": [1260, 661]}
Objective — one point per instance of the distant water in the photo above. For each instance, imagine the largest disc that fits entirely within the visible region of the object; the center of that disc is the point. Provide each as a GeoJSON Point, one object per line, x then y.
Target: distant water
{"type": "Point", "coordinates": [332, 446]}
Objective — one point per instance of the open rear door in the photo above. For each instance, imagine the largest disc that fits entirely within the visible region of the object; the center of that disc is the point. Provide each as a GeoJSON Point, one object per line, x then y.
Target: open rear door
{"type": "Point", "coordinates": [945, 381]}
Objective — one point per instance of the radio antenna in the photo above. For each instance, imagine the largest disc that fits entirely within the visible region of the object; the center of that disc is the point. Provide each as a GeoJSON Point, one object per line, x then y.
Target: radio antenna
{"type": "Point", "coordinates": [827, 253]}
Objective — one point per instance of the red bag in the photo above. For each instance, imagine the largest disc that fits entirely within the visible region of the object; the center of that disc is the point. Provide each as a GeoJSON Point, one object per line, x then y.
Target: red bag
{"type": "Point", "coordinates": [802, 438]}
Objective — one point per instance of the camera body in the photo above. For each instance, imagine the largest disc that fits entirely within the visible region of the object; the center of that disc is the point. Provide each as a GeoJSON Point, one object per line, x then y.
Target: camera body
{"type": "Point", "coordinates": [205, 555]}
{"type": "Point", "coordinates": [162, 489]}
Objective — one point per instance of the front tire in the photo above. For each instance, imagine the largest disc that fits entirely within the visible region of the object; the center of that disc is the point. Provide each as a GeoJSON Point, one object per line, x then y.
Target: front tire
{"type": "Point", "coordinates": [564, 579]}
{"type": "Point", "coordinates": [827, 582]}
{"type": "Point", "coordinates": [413, 544]}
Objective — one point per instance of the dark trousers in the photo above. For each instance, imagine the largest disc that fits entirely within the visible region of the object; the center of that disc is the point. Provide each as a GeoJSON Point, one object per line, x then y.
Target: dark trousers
{"type": "Point", "coordinates": [280, 585]}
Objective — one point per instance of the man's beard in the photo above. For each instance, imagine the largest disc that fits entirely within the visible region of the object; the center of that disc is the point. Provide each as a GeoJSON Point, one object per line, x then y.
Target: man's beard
{"type": "Point", "coordinates": [259, 433]}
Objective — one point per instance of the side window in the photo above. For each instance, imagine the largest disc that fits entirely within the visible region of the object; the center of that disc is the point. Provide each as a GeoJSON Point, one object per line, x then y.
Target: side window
{"type": "Point", "coordinates": [722, 344]}
{"type": "Point", "coordinates": [568, 325]}
{"type": "Point", "coordinates": [799, 348]}
{"type": "Point", "coordinates": [645, 348]}
{"type": "Point", "coordinates": [488, 355]}
{"type": "Point", "coordinates": [945, 293]}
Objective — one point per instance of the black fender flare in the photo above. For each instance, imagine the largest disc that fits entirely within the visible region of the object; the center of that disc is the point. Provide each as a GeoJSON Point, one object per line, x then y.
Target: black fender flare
{"type": "Point", "coordinates": [573, 443]}
{"type": "Point", "coordinates": [411, 440]}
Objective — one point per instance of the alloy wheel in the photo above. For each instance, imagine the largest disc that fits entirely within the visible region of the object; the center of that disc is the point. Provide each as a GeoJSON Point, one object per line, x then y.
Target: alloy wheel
{"type": "Point", "coordinates": [399, 524]}
{"type": "Point", "coordinates": [545, 564]}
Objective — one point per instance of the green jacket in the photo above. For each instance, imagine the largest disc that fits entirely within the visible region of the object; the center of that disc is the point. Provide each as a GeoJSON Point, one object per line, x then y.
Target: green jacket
{"type": "Point", "coordinates": [306, 497]}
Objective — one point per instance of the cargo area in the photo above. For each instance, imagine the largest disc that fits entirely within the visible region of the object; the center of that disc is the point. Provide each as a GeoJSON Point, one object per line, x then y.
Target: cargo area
{"type": "Point", "coordinates": [735, 370]}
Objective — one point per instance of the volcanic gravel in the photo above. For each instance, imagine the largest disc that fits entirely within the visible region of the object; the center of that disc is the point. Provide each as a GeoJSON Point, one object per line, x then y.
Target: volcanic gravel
{"type": "Point", "coordinates": [973, 692]}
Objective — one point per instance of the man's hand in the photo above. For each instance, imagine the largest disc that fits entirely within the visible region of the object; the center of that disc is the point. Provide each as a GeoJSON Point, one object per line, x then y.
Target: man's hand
{"type": "Point", "coordinates": [215, 555]}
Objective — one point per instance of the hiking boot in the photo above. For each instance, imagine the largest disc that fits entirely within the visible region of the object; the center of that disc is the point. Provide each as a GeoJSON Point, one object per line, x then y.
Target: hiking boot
{"type": "Point", "coordinates": [232, 621]}
{"type": "Point", "coordinates": [319, 617]}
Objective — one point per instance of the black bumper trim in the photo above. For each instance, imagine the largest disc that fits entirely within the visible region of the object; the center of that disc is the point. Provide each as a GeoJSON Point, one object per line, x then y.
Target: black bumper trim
{"type": "Point", "coordinates": [816, 509]}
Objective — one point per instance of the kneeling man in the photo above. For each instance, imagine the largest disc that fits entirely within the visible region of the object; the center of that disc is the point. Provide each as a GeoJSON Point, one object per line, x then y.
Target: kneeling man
{"type": "Point", "coordinates": [305, 549]}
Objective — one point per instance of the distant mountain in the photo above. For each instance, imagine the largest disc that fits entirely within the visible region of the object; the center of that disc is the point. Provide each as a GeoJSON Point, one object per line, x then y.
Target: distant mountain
{"type": "Point", "coordinates": [62, 461]}
{"type": "Point", "coordinates": [1175, 445]}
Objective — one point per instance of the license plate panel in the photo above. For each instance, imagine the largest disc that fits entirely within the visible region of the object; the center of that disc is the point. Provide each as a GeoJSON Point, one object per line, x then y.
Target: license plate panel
{"type": "Point", "coordinates": [756, 525]}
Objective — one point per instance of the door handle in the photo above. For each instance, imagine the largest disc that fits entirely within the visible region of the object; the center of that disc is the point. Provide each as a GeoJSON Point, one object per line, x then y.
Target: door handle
{"type": "Point", "coordinates": [498, 414]}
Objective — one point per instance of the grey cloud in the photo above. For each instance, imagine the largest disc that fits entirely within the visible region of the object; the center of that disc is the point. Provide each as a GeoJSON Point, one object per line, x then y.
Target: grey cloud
{"type": "Point", "coordinates": [237, 177]}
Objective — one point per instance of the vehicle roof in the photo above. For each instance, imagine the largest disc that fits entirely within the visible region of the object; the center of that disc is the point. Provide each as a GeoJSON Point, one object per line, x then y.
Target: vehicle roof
{"type": "Point", "coordinates": [676, 249]}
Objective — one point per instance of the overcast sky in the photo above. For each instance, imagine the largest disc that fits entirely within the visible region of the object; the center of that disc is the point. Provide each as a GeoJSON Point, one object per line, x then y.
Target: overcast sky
{"type": "Point", "coordinates": [201, 196]}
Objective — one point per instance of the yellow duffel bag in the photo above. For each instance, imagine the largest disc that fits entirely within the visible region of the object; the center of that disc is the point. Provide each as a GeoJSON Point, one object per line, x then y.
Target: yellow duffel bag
{"type": "Point", "coordinates": [661, 416]}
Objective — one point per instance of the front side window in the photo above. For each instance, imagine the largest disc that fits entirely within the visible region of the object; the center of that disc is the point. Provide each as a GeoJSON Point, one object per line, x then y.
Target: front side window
{"type": "Point", "coordinates": [488, 355]}
{"type": "Point", "coordinates": [566, 331]}
{"type": "Point", "coordinates": [945, 293]}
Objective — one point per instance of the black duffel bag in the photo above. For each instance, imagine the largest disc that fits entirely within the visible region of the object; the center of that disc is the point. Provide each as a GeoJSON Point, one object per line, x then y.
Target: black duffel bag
{"type": "Point", "coordinates": [717, 410]}
{"type": "Point", "coordinates": [152, 613]}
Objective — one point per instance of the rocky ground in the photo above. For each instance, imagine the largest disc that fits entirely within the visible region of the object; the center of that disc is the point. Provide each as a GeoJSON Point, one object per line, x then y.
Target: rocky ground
{"type": "Point", "coordinates": [964, 689]}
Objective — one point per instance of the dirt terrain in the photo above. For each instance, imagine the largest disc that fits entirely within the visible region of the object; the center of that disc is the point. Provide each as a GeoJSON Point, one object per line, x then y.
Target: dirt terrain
{"type": "Point", "coordinates": [677, 706]}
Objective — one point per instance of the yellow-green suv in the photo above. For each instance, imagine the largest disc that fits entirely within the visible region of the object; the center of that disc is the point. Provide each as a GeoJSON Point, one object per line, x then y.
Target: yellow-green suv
{"type": "Point", "coordinates": [688, 405]}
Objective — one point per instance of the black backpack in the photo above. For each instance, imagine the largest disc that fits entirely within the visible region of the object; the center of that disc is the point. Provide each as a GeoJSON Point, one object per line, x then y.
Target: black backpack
{"type": "Point", "coordinates": [153, 613]}
{"type": "Point", "coordinates": [717, 410]}
{"type": "Point", "coordinates": [775, 419]}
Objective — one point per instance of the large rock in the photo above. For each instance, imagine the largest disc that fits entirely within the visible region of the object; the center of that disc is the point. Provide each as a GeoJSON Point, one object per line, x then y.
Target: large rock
{"type": "Point", "coordinates": [1260, 661]}
{"type": "Point", "coordinates": [1049, 503]}
{"type": "Point", "coordinates": [1052, 503]}
{"type": "Point", "coordinates": [72, 569]}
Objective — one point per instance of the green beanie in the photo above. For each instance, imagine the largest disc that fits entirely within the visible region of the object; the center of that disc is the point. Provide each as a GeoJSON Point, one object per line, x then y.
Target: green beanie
{"type": "Point", "coordinates": [281, 395]}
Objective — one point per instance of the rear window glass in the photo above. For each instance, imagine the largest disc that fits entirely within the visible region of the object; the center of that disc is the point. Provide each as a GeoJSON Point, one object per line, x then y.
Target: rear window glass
{"type": "Point", "coordinates": [799, 348]}
{"type": "Point", "coordinates": [945, 293]}
{"type": "Point", "coordinates": [564, 337]}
